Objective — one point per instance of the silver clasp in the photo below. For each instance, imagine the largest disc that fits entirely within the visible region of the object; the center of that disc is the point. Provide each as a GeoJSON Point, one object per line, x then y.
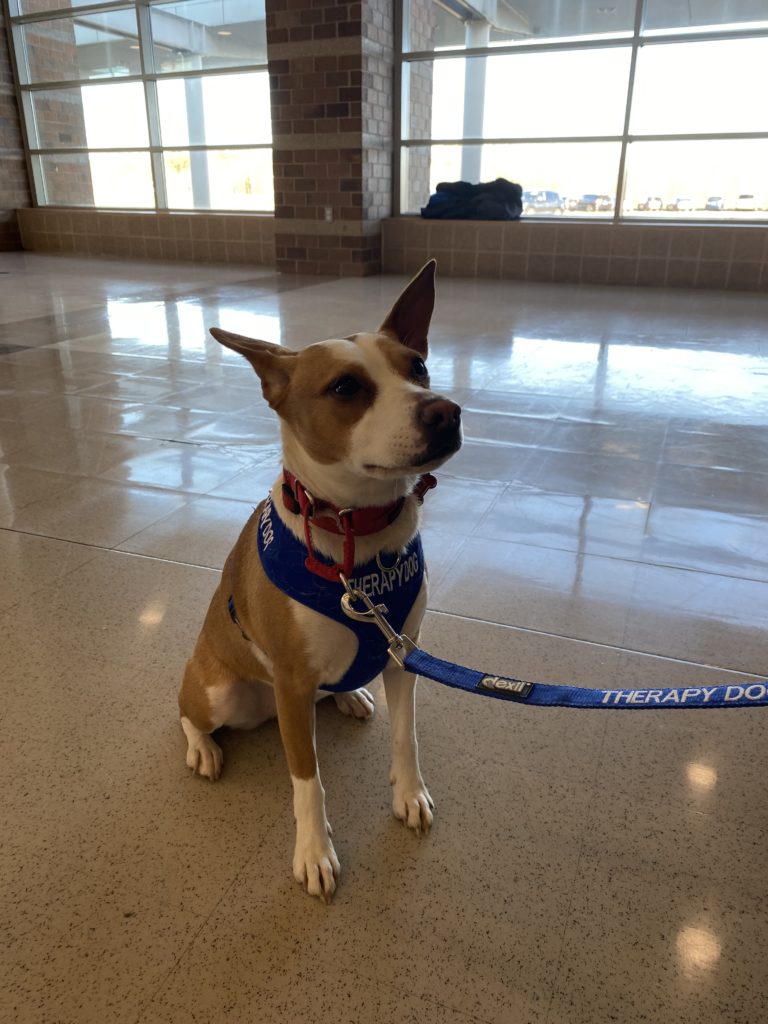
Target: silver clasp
{"type": "Point", "coordinates": [399, 645]}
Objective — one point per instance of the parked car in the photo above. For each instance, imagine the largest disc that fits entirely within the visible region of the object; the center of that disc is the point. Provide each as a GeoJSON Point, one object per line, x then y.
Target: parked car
{"type": "Point", "coordinates": [715, 203]}
{"type": "Point", "coordinates": [543, 201]}
{"type": "Point", "coordinates": [746, 201]}
{"type": "Point", "coordinates": [594, 203]}
{"type": "Point", "coordinates": [682, 204]}
{"type": "Point", "coordinates": [651, 203]}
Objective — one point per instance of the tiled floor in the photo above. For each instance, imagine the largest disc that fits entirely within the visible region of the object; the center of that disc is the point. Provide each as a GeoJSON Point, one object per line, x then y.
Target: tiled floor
{"type": "Point", "coordinates": [605, 524]}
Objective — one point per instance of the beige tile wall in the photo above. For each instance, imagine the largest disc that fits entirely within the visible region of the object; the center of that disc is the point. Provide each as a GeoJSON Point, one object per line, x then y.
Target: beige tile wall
{"type": "Point", "coordinates": [218, 238]}
{"type": "Point", "coordinates": [701, 256]}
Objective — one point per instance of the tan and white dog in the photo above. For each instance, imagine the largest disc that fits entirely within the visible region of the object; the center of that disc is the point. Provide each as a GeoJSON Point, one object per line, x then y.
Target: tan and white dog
{"type": "Point", "coordinates": [359, 428]}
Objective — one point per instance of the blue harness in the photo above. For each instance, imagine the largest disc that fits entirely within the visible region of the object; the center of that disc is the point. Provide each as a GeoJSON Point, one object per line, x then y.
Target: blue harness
{"type": "Point", "coordinates": [283, 557]}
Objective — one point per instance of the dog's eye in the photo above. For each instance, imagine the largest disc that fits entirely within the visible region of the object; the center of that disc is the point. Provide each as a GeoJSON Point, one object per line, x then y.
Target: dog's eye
{"type": "Point", "coordinates": [418, 367]}
{"type": "Point", "coordinates": [346, 386]}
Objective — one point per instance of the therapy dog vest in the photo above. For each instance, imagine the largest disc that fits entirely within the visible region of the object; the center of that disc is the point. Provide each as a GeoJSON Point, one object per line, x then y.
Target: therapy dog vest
{"type": "Point", "coordinates": [283, 557]}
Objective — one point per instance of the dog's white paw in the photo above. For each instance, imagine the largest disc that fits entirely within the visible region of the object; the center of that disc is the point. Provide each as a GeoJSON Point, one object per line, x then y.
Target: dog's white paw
{"type": "Point", "coordinates": [412, 804]}
{"type": "Point", "coordinates": [205, 758]}
{"type": "Point", "coordinates": [204, 755]}
{"type": "Point", "coordinates": [358, 703]}
{"type": "Point", "coordinates": [315, 865]}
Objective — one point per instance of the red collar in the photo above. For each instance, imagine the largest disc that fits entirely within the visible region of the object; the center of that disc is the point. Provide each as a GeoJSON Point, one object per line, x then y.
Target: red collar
{"type": "Point", "coordinates": [346, 522]}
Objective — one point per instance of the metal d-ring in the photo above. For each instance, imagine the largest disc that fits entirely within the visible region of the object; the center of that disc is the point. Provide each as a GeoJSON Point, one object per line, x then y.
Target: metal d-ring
{"type": "Point", "coordinates": [387, 568]}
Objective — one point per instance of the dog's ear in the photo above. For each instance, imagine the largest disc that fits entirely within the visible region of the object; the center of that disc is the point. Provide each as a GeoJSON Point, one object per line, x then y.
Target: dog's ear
{"type": "Point", "coordinates": [273, 363]}
{"type": "Point", "coordinates": [409, 318]}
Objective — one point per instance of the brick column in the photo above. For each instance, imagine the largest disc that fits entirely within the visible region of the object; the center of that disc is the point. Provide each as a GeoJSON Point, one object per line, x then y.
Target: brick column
{"type": "Point", "coordinates": [330, 69]}
{"type": "Point", "coordinates": [14, 183]}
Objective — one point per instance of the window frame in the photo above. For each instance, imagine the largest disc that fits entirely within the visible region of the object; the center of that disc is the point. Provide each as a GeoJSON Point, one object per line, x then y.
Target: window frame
{"type": "Point", "coordinates": [633, 41]}
{"type": "Point", "coordinates": [148, 77]}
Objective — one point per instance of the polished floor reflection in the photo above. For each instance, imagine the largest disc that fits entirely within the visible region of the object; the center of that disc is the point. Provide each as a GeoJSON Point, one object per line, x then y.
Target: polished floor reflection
{"type": "Point", "coordinates": [606, 524]}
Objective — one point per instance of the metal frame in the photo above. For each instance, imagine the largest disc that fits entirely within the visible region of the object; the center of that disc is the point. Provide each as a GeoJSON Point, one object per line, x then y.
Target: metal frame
{"type": "Point", "coordinates": [634, 39]}
{"type": "Point", "coordinates": [148, 77]}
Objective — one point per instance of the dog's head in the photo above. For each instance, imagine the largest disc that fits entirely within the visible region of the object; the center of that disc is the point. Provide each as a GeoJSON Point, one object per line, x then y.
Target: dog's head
{"type": "Point", "coordinates": [361, 404]}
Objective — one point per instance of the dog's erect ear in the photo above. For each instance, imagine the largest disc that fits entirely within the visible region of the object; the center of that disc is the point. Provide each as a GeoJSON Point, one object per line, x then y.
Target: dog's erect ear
{"type": "Point", "coordinates": [273, 363]}
{"type": "Point", "coordinates": [409, 318]}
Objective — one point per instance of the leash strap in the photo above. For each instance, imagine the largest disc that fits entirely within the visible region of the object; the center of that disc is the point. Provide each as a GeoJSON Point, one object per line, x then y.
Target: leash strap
{"type": "Point", "coordinates": [546, 695]}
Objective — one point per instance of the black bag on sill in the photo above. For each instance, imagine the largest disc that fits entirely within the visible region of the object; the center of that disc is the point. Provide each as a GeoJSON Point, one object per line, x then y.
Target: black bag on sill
{"type": "Point", "coordinates": [458, 200]}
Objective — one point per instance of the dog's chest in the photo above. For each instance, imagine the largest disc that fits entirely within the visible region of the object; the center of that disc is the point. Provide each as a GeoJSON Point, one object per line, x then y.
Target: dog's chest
{"type": "Point", "coordinates": [350, 653]}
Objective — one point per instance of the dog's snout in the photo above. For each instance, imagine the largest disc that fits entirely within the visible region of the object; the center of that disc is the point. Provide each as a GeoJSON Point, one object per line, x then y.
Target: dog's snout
{"type": "Point", "coordinates": [440, 413]}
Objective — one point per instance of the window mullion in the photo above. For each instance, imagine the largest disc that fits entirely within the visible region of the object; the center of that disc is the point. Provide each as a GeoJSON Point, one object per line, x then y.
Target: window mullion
{"type": "Point", "coordinates": [618, 205]}
{"type": "Point", "coordinates": [147, 55]}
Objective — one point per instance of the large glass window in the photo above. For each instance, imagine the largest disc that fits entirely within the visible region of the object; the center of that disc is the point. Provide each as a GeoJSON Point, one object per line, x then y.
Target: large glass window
{"type": "Point", "coordinates": [638, 108]}
{"type": "Point", "coordinates": [146, 105]}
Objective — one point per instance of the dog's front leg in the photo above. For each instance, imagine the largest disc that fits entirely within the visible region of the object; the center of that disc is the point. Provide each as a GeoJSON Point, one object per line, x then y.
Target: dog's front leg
{"type": "Point", "coordinates": [411, 801]}
{"type": "Point", "coordinates": [315, 863]}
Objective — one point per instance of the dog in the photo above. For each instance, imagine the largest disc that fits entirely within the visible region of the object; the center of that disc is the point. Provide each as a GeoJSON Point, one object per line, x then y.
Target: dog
{"type": "Point", "coordinates": [361, 431]}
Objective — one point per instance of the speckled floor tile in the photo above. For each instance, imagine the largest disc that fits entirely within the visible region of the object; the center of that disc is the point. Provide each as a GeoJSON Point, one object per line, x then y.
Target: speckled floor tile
{"type": "Point", "coordinates": [201, 533]}
{"type": "Point", "coordinates": [602, 476]}
{"type": "Point", "coordinates": [714, 489]}
{"type": "Point", "coordinates": [91, 511]}
{"type": "Point", "coordinates": [240, 428]}
{"type": "Point", "coordinates": [645, 945]}
{"type": "Point", "coordinates": [164, 422]}
{"type": "Point", "coordinates": [179, 466]}
{"type": "Point", "coordinates": [697, 616]}
{"type": "Point", "coordinates": [252, 484]}
{"type": "Point", "coordinates": [229, 972]}
{"type": "Point", "coordinates": [21, 486]}
{"type": "Point", "coordinates": [104, 969]}
{"type": "Point", "coordinates": [132, 388]}
{"type": "Point", "coordinates": [32, 563]}
{"type": "Point", "coordinates": [137, 817]}
{"type": "Point", "coordinates": [72, 412]}
{"type": "Point", "coordinates": [480, 460]}
{"type": "Point", "coordinates": [723, 543]}
{"type": "Point", "coordinates": [80, 452]}
{"type": "Point", "coordinates": [458, 504]}
{"type": "Point", "coordinates": [586, 523]}
{"type": "Point", "coordinates": [492, 953]}
{"type": "Point", "coordinates": [563, 592]}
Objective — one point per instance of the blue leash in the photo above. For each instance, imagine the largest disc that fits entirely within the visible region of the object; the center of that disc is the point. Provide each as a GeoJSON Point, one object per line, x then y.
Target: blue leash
{"type": "Point", "coordinates": [546, 695]}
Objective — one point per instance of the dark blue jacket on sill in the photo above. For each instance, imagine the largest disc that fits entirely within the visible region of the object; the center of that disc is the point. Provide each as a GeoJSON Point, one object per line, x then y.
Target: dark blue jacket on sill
{"type": "Point", "coordinates": [458, 200]}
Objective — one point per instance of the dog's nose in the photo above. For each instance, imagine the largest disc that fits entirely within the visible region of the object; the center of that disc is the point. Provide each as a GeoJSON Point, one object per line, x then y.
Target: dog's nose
{"type": "Point", "coordinates": [440, 413]}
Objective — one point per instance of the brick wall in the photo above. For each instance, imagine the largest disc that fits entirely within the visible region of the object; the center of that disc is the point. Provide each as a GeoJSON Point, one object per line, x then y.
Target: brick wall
{"type": "Point", "coordinates": [14, 184]}
{"type": "Point", "coordinates": [330, 69]}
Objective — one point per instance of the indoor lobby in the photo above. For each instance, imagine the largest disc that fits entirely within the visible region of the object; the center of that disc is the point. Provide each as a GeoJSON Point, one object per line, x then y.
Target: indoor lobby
{"type": "Point", "coordinates": [604, 524]}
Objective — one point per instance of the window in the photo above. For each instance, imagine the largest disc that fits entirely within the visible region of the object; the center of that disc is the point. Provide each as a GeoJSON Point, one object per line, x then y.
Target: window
{"type": "Point", "coordinates": [633, 109]}
{"type": "Point", "coordinates": [146, 105]}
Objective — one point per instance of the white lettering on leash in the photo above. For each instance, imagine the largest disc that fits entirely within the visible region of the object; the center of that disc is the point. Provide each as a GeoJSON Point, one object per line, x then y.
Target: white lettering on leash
{"type": "Point", "coordinates": [756, 691]}
{"type": "Point", "coordinates": [265, 524]}
{"type": "Point", "coordinates": [689, 695]}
